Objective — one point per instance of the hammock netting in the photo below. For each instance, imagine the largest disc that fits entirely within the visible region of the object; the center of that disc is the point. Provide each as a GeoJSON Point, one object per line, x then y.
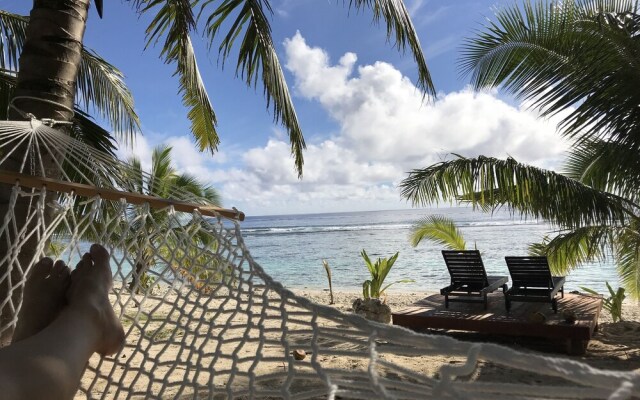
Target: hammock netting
{"type": "Point", "coordinates": [204, 320]}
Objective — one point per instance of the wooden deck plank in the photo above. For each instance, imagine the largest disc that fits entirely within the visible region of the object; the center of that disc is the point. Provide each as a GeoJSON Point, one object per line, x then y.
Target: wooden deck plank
{"type": "Point", "coordinates": [431, 313]}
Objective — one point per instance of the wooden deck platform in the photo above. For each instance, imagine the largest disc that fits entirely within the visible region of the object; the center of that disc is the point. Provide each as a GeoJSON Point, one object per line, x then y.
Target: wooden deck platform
{"type": "Point", "coordinates": [431, 313]}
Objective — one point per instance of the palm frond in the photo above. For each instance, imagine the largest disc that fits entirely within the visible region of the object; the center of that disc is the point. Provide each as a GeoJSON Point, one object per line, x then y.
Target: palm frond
{"type": "Point", "coordinates": [174, 20]}
{"type": "Point", "coordinates": [13, 29]}
{"type": "Point", "coordinates": [400, 27]}
{"type": "Point", "coordinates": [606, 166]}
{"type": "Point", "coordinates": [571, 249]}
{"type": "Point", "coordinates": [533, 192]}
{"type": "Point", "coordinates": [439, 229]}
{"type": "Point", "coordinates": [100, 86]}
{"type": "Point", "coordinates": [87, 131]}
{"type": "Point", "coordinates": [556, 55]}
{"type": "Point", "coordinates": [627, 252]}
{"type": "Point", "coordinates": [257, 57]}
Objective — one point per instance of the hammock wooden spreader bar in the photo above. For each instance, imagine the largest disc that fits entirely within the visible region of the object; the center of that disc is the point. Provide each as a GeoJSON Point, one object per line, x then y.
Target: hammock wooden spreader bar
{"type": "Point", "coordinates": [81, 189]}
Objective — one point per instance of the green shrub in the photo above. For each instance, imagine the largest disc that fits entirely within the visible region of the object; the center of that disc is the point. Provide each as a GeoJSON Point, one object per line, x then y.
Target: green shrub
{"type": "Point", "coordinates": [372, 288]}
{"type": "Point", "coordinates": [613, 303]}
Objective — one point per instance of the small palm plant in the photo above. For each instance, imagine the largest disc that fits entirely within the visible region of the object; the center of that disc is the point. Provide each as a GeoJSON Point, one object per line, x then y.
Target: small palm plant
{"type": "Point", "coordinates": [613, 303]}
{"type": "Point", "coordinates": [372, 288]}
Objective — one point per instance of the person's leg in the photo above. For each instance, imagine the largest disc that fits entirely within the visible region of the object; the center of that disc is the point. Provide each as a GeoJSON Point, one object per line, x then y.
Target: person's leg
{"type": "Point", "coordinates": [50, 363]}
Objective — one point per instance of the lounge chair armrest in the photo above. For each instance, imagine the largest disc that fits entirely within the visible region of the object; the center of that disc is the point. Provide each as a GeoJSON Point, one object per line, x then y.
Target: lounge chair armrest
{"type": "Point", "coordinates": [447, 289]}
{"type": "Point", "coordinates": [495, 282]}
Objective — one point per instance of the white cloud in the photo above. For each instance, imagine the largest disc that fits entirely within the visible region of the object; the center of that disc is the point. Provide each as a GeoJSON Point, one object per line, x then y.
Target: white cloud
{"type": "Point", "coordinates": [383, 118]}
{"type": "Point", "coordinates": [385, 130]}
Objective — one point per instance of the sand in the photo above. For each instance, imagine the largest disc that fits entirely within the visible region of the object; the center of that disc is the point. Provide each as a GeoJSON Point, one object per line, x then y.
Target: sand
{"type": "Point", "coordinates": [166, 329]}
{"type": "Point", "coordinates": [614, 346]}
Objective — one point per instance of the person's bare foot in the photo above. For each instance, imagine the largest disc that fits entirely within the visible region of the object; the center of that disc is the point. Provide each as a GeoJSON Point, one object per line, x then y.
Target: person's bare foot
{"type": "Point", "coordinates": [43, 298]}
{"type": "Point", "coordinates": [88, 294]}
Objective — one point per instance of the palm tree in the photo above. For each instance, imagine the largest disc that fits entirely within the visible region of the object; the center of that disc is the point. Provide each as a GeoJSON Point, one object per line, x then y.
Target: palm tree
{"type": "Point", "coordinates": [50, 64]}
{"type": "Point", "coordinates": [579, 54]}
{"type": "Point", "coordinates": [100, 90]}
{"type": "Point", "coordinates": [141, 233]}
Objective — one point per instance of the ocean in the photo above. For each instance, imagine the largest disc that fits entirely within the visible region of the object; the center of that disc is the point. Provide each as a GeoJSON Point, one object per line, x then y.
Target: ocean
{"type": "Point", "coordinates": [291, 247]}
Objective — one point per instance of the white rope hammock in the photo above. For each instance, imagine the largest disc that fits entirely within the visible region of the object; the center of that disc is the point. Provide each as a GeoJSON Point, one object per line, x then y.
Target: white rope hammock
{"type": "Point", "coordinates": [208, 322]}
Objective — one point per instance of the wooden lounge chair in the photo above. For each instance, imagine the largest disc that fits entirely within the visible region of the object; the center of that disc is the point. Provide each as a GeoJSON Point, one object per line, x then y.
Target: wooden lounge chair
{"type": "Point", "coordinates": [532, 281]}
{"type": "Point", "coordinates": [469, 280]}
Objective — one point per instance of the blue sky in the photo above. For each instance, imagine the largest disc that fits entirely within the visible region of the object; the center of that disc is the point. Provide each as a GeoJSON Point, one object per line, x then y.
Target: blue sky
{"type": "Point", "coordinates": [363, 120]}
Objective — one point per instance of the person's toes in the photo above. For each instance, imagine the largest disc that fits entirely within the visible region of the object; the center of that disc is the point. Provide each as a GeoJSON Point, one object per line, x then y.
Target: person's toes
{"type": "Point", "coordinates": [60, 269]}
{"type": "Point", "coordinates": [43, 297]}
{"type": "Point", "coordinates": [85, 262]}
{"type": "Point", "coordinates": [99, 254]}
{"type": "Point", "coordinates": [41, 269]}
{"type": "Point", "coordinates": [100, 257]}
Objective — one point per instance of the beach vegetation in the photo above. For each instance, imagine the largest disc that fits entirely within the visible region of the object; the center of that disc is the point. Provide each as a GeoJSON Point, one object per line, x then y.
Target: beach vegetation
{"type": "Point", "coordinates": [578, 60]}
{"type": "Point", "coordinates": [142, 234]}
{"type": "Point", "coordinates": [438, 229]}
{"type": "Point", "coordinates": [327, 270]}
{"type": "Point", "coordinates": [613, 303]}
{"type": "Point", "coordinates": [373, 288]}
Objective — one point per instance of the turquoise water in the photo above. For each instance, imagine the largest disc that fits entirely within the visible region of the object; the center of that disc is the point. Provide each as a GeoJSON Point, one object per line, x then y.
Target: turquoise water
{"type": "Point", "coordinates": [291, 247]}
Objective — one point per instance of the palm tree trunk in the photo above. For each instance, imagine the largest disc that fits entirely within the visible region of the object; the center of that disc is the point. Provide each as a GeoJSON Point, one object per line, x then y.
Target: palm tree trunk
{"type": "Point", "coordinates": [48, 69]}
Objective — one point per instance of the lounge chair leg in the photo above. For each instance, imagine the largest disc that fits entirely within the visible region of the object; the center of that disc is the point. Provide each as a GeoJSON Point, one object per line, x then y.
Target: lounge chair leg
{"type": "Point", "coordinates": [505, 288]}
{"type": "Point", "coordinates": [486, 303]}
{"type": "Point", "coordinates": [446, 301]}
{"type": "Point", "coordinates": [562, 292]}
{"type": "Point", "coordinates": [507, 304]}
{"type": "Point", "coordinates": [554, 305]}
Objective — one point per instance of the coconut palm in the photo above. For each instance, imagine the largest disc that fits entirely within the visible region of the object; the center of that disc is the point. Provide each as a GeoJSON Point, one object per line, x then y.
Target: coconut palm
{"type": "Point", "coordinates": [50, 64]}
{"type": "Point", "coordinates": [100, 90]}
{"type": "Point", "coordinates": [579, 54]}
{"type": "Point", "coordinates": [141, 228]}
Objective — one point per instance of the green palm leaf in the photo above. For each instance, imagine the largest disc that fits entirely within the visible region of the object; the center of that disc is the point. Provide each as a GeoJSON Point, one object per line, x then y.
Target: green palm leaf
{"type": "Point", "coordinates": [606, 166]}
{"type": "Point", "coordinates": [439, 229]}
{"type": "Point", "coordinates": [556, 55]}
{"type": "Point", "coordinates": [257, 57]}
{"type": "Point", "coordinates": [400, 27]}
{"type": "Point", "coordinates": [100, 87]}
{"type": "Point", "coordinates": [492, 183]}
{"type": "Point", "coordinates": [571, 249]}
{"type": "Point", "coordinates": [627, 252]}
{"type": "Point", "coordinates": [174, 20]}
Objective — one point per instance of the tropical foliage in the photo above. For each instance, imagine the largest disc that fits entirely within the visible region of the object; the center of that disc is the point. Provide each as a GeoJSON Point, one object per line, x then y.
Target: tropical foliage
{"type": "Point", "coordinates": [438, 229]}
{"type": "Point", "coordinates": [577, 57]}
{"type": "Point", "coordinates": [143, 235]}
{"type": "Point", "coordinates": [613, 303]}
{"type": "Point", "coordinates": [372, 288]}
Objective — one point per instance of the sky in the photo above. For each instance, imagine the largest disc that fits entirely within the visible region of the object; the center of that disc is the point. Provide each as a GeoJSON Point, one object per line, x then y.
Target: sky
{"type": "Point", "coordinates": [364, 121]}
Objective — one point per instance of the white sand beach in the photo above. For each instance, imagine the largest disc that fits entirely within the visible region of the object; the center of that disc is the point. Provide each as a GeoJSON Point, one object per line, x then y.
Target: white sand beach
{"type": "Point", "coordinates": [616, 346]}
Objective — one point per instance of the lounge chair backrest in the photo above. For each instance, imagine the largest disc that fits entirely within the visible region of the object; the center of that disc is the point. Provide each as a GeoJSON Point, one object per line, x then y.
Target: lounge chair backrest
{"type": "Point", "coordinates": [465, 266]}
{"type": "Point", "coordinates": [530, 272]}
